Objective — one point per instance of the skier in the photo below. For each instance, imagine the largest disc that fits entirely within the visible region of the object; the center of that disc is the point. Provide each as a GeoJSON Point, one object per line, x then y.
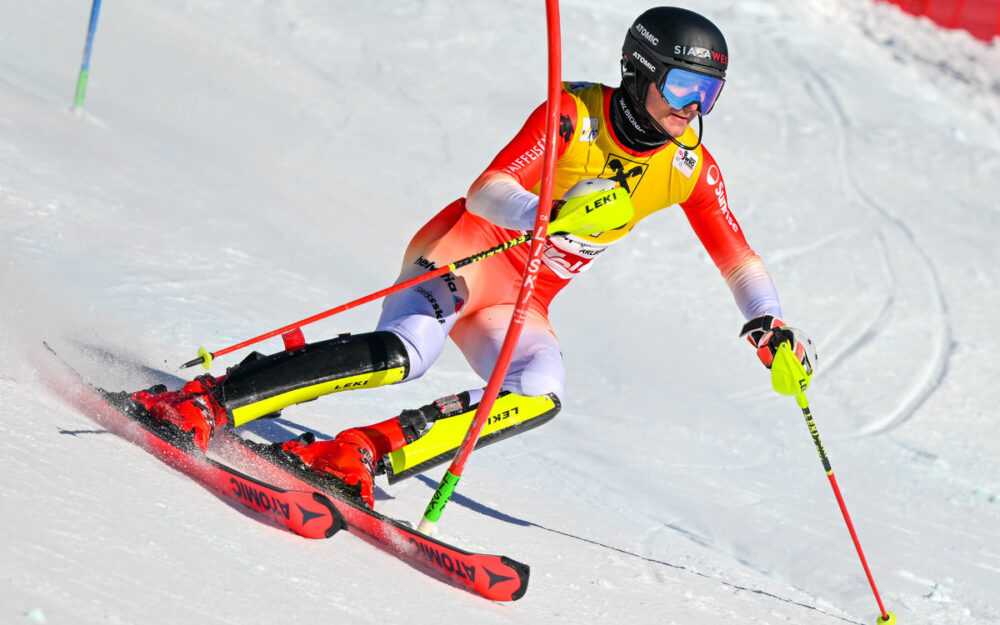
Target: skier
{"type": "Point", "coordinates": [637, 136]}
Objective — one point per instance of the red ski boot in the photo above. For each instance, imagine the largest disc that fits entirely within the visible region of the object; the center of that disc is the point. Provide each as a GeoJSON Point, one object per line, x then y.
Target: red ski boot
{"type": "Point", "coordinates": [351, 456]}
{"type": "Point", "coordinates": [194, 410]}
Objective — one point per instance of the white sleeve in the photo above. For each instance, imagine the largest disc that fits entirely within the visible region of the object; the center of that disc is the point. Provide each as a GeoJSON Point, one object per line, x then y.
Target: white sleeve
{"type": "Point", "coordinates": [754, 290]}
{"type": "Point", "coordinates": [505, 203]}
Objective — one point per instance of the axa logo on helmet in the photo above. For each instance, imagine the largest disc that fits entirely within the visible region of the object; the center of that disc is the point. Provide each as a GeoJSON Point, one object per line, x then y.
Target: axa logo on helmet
{"type": "Point", "coordinates": [643, 60]}
{"type": "Point", "coordinates": [648, 36]}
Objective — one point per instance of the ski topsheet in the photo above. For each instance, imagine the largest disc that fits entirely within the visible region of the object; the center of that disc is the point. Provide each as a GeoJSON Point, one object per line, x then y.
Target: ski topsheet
{"type": "Point", "coordinates": [298, 499]}
{"type": "Point", "coordinates": [495, 577]}
{"type": "Point", "coordinates": [306, 513]}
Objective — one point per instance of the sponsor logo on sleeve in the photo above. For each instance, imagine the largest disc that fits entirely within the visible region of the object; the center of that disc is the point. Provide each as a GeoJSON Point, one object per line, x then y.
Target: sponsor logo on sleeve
{"type": "Point", "coordinates": [565, 128]}
{"type": "Point", "coordinates": [714, 179]}
{"type": "Point", "coordinates": [527, 157]}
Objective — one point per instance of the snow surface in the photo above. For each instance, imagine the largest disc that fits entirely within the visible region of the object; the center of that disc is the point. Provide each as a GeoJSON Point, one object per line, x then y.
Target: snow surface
{"type": "Point", "coordinates": [242, 164]}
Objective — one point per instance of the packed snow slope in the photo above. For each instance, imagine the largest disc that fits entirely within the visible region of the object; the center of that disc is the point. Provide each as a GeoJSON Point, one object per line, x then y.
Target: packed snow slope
{"type": "Point", "coordinates": [243, 164]}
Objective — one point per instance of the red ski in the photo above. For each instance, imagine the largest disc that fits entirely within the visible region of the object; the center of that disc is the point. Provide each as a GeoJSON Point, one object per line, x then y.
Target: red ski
{"type": "Point", "coordinates": [307, 513]}
{"type": "Point", "coordinates": [494, 577]}
{"type": "Point", "coordinates": [305, 502]}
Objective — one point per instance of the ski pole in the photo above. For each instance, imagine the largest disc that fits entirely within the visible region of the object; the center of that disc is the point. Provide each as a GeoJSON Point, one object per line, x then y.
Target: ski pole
{"type": "Point", "coordinates": [205, 357]}
{"type": "Point", "coordinates": [442, 494]}
{"type": "Point", "coordinates": [789, 377]}
{"type": "Point", "coordinates": [81, 81]}
{"type": "Point", "coordinates": [607, 216]}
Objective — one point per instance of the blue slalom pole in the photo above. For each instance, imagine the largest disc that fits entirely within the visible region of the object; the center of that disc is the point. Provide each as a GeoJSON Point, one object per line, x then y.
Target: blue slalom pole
{"type": "Point", "coordinates": [81, 81]}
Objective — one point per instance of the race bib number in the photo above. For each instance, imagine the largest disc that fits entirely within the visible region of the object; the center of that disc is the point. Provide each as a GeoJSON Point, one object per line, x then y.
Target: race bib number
{"type": "Point", "coordinates": [567, 255]}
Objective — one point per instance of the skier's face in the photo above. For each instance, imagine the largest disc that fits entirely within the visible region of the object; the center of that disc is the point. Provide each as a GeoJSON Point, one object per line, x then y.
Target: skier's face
{"type": "Point", "coordinates": [674, 121]}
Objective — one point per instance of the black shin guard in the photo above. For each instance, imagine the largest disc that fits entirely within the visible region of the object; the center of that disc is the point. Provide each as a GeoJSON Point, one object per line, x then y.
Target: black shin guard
{"type": "Point", "coordinates": [262, 385]}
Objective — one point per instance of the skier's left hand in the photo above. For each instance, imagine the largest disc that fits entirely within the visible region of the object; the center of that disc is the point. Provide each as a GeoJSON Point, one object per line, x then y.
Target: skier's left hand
{"type": "Point", "coordinates": [768, 332]}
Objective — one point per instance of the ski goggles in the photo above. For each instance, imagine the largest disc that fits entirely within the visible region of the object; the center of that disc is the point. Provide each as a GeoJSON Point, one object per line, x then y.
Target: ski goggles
{"type": "Point", "coordinates": [681, 87]}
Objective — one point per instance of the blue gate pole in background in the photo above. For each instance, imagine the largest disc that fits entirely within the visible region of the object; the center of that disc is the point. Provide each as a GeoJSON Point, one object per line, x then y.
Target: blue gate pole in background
{"type": "Point", "coordinates": [81, 81]}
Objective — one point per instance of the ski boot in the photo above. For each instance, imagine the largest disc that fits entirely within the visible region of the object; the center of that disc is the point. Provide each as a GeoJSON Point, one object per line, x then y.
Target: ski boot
{"type": "Point", "coordinates": [354, 456]}
{"type": "Point", "coordinates": [193, 412]}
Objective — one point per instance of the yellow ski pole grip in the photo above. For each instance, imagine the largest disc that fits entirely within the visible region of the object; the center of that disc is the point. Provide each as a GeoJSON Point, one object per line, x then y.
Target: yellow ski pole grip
{"type": "Point", "coordinates": [788, 376]}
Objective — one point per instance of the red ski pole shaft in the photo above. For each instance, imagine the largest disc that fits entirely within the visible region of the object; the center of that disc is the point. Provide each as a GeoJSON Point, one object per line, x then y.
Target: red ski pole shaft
{"type": "Point", "coordinates": [886, 617]}
{"type": "Point", "coordinates": [447, 486]}
{"type": "Point", "coordinates": [205, 357]}
{"type": "Point", "coordinates": [789, 377]}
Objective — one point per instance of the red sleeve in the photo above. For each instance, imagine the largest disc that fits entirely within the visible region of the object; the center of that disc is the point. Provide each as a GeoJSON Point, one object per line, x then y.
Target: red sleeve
{"type": "Point", "coordinates": [707, 209]}
{"type": "Point", "coordinates": [522, 157]}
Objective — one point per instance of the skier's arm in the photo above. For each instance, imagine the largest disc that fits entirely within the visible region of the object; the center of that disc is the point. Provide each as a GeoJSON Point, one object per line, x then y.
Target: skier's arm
{"type": "Point", "coordinates": [501, 199]}
{"type": "Point", "coordinates": [707, 210]}
{"type": "Point", "coordinates": [500, 194]}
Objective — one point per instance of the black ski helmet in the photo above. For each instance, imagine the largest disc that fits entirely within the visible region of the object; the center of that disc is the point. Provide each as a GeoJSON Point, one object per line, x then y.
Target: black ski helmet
{"type": "Point", "coordinates": [666, 37]}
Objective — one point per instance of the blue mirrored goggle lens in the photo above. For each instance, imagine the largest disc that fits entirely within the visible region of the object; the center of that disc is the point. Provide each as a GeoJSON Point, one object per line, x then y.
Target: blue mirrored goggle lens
{"type": "Point", "coordinates": [681, 88]}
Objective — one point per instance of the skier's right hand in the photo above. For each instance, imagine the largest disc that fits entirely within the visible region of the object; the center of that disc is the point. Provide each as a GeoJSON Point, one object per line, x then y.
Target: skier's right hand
{"type": "Point", "coordinates": [767, 332]}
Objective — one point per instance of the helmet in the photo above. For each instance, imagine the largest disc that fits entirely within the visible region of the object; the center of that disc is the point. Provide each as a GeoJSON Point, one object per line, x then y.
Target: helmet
{"type": "Point", "coordinates": [681, 52]}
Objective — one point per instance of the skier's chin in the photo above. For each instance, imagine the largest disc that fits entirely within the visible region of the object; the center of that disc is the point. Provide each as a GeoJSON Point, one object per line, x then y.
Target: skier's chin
{"type": "Point", "coordinates": [675, 125]}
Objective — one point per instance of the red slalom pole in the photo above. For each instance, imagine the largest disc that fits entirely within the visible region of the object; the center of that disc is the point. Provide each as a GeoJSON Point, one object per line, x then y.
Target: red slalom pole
{"type": "Point", "coordinates": [447, 486]}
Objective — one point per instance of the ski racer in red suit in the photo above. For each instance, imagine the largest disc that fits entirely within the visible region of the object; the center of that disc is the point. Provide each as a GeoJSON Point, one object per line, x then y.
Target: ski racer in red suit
{"type": "Point", "coordinates": [637, 137]}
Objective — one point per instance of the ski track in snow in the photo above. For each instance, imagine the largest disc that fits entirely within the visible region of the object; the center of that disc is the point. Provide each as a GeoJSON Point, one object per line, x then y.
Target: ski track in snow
{"type": "Point", "coordinates": [204, 207]}
{"type": "Point", "coordinates": [937, 322]}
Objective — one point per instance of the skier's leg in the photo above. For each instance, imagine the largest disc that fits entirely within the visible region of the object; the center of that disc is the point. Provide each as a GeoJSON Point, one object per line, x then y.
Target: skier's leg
{"type": "Point", "coordinates": [411, 334]}
{"type": "Point", "coordinates": [419, 439]}
{"type": "Point", "coordinates": [536, 367]}
{"type": "Point", "coordinates": [263, 385]}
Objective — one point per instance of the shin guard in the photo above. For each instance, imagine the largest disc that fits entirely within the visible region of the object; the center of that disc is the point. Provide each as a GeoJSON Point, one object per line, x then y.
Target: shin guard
{"type": "Point", "coordinates": [451, 416]}
{"type": "Point", "coordinates": [262, 385]}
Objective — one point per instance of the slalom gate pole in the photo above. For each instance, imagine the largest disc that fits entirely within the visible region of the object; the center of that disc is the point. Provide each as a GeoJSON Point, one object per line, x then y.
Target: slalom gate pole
{"type": "Point", "coordinates": [81, 81]}
{"type": "Point", "coordinates": [435, 508]}
{"type": "Point", "coordinates": [789, 377]}
{"type": "Point", "coordinates": [205, 357]}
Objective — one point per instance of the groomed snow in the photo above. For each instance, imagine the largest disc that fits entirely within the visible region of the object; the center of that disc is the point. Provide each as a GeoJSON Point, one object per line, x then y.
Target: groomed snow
{"type": "Point", "coordinates": [241, 165]}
